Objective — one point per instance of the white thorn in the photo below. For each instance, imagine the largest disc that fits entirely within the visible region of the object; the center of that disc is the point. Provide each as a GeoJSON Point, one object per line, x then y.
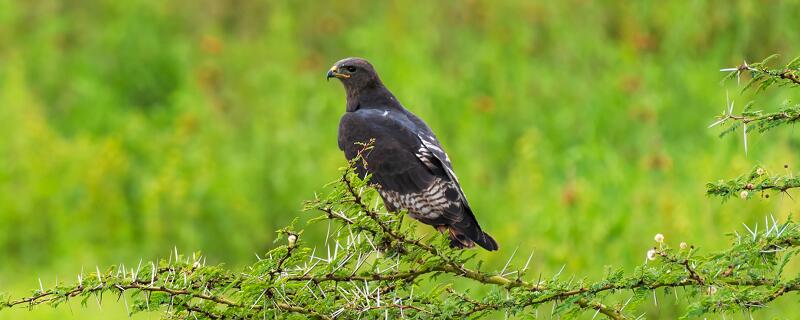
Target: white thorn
{"type": "Point", "coordinates": [509, 260]}
{"type": "Point", "coordinates": [127, 309]}
{"type": "Point", "coordinates": [721, 120]}
{"type": "Point", "coordinates": [655, 298]}
{"type": "Point", "coordinates": [744, 132]}
{"type": "Point", "coordinates": [559, 271]}
{"type": "Point", "coordinates": [730, 105]}
{"type": "Point", "coordinates": [749, 230]}
{"type": "Point", "coordinates": [766, 224]}
{"type": "Point", "coordinates": [99, 277]}
{"type": "Point", "coordinates": [755, 232]}
{"type": "Point", "coordinates": [152, 274]}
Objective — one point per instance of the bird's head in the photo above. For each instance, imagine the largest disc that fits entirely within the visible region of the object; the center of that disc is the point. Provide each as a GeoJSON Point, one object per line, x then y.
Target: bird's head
{"type": "Point", "coordinates": [355, 73]}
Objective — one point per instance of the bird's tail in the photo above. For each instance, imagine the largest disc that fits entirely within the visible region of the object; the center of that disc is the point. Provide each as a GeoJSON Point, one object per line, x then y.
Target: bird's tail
{"type": "Point", "coordinates": [466, 234]}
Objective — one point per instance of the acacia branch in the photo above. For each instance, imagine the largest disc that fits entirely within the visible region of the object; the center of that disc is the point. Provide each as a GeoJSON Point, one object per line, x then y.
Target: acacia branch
{"type": "Point", "coordinates": [374, 265]}
{"type": "Point", "coordinates": [757, 181]}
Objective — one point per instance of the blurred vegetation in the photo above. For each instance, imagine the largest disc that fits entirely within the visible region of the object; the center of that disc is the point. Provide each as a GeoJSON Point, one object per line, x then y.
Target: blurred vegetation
{"type": "Point", "coordinates": [578, 129]}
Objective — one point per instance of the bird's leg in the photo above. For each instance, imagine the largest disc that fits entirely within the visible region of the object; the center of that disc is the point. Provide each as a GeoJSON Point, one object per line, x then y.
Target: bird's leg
{"type": "Point", "coordinates": [441, 228]}
{"type": "Point", "coordinates": [459, 240]}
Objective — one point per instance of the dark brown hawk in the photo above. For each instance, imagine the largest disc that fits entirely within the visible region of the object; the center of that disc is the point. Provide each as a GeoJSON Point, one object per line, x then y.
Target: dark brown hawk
{"type": "Point", "coordinates": [407, 162]}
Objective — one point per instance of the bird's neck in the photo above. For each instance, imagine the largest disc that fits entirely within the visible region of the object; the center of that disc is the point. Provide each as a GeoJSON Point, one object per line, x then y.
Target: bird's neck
{"type": "Point", "coordinates": [374, 95]}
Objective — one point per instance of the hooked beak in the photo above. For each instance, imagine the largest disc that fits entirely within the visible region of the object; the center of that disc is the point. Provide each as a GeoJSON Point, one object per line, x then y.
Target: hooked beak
{"type": "Point", "coordinates": [333, 73]}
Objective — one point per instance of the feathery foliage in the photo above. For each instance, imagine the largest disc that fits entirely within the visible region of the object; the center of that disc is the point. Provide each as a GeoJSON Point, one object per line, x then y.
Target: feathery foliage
{"type": "Point", "coordinates": [373, 265]}
{"type": "Point", "coordinates": [132, 127]}
{"type": "Point", "coordinates": [759, 180]}
{"type": "Point", "coordinates": [584, 121]}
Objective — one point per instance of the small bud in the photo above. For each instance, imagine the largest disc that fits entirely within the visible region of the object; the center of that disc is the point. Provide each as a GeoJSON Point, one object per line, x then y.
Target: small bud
{"type": "Point", "coordinates": [712, 290]}
{"type": "Point", "coordinates": [760, 171]}
{"type": "Point", "coordinates": [659, 238]}
{"type": "Point", "coordinates": [743, 194]}
{"type": "Point", "coordinates": [684, 245]}
{"type": "Point", "coordinates": [651, 254]}
{"type": "Point", "coordinates": [292, 239]}
{"type": "Point", "coordinates": [749, 186]}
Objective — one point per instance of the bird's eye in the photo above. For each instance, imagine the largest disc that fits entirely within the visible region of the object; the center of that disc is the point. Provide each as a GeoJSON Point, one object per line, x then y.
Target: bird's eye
{"type": "Point", "coordinates": [350, 69]}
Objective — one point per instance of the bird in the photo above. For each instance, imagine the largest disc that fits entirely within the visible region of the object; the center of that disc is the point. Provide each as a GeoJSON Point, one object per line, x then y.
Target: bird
{"type": "Point", "coordinates": [407, 162]}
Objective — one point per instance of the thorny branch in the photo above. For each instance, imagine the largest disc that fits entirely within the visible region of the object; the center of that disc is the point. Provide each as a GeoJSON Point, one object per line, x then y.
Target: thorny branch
{"type": "Point", "coordinates": [762, 78]}
{"type": "Point", "coordinates": [758, 181]}
{"type": "Point", "coordinates": [373, 265]}
{"type": "Point", "coordinates": [388, 270]}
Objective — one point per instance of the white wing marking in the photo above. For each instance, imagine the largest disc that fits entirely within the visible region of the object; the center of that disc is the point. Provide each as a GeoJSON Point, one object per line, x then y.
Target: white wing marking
{"type": "Point", "coordinates": [424, 155]}
{"type": "Point", "coordinates": [431, 146]}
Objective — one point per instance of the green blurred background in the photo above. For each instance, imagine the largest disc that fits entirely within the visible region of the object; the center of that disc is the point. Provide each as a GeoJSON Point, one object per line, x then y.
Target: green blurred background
{"type": "Point", "coordinates": [578, 128]}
